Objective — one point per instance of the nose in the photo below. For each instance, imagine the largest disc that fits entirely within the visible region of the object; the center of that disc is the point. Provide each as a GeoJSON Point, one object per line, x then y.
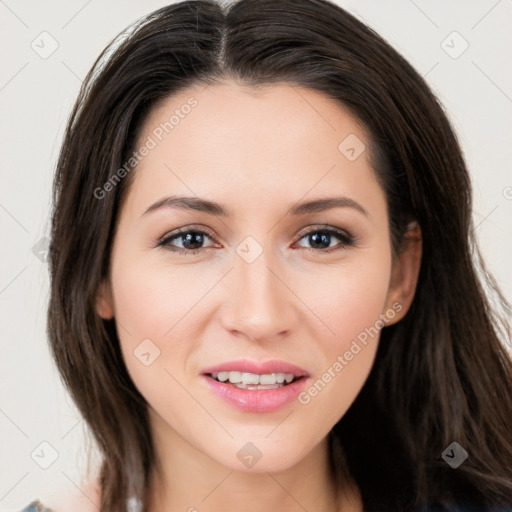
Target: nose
{"type": "Point", "coordinates": [260, 306]}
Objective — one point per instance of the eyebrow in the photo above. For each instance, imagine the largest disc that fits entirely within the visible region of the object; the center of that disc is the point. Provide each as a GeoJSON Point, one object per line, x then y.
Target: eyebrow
{"type": "Point", "coordinates": [213, 208]}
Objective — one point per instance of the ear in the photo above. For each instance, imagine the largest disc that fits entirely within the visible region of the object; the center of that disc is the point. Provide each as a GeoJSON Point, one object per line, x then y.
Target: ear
{"type": "Point", "coordinates": [104, 302]}
{"type": "Point", "coordinates": [404, 274]}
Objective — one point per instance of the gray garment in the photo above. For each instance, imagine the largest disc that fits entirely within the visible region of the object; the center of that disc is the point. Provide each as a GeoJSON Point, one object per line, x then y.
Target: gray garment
{"type": "Point", "coordinates": [36, 506]}
{"type": "Point", "coordinates": [133, 505]}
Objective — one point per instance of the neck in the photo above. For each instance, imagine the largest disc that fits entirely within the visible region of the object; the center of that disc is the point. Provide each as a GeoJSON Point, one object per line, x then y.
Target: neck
{"type": "Point", "coordinates": [189, 480]}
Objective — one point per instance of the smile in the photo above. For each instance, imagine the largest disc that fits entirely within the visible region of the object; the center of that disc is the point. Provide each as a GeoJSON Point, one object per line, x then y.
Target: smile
{"type": "Point", "coordinates": [253, 380]}
{"type": "Point", "coordinates": [256, 387]}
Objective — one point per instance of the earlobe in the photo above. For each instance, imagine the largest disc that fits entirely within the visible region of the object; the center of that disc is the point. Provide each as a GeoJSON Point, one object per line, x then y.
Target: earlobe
{"type": "Point", "coordinates": [406, 269]}
{"type": "Point", "coordinates": [104, 302]}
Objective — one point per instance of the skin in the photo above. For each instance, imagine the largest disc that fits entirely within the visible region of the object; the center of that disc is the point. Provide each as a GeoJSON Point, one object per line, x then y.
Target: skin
{"type": "Point", "coordinates": [257, 152]}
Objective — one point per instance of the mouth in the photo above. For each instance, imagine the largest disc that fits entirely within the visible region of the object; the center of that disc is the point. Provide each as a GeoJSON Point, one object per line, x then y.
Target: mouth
{"type": "Point", "coordinates": [253, 386]}
{"type": "Point", "coordinates": [254, 381]}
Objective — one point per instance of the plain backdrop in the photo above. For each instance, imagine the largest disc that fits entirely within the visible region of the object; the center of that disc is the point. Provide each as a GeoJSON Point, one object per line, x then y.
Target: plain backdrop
{"type": "Point", "coordinates": [462, 47]}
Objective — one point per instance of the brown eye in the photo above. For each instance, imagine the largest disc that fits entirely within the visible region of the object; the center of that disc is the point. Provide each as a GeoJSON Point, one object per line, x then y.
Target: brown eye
{"type": "Point", "coordinates": [191, 241]}
{"type": "Point", "coordinates": [320, 239]}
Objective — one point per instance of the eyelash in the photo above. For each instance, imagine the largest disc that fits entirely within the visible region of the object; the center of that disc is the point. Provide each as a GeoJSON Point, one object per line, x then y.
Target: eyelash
{"type": "Point", "coordinates": [347, 240]}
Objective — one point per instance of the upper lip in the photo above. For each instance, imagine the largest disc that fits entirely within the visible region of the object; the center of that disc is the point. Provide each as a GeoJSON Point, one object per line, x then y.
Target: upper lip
{"type": "Point", "coordinates": [258, 367]}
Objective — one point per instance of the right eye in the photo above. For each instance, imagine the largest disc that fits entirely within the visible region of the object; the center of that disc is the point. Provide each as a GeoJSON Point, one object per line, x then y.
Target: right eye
{"type": "Point", "coordinates": [189, 238]}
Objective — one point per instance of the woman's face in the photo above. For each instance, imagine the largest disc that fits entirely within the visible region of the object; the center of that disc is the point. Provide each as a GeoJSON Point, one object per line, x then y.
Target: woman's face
{"type": "Point", "coordinates": [267, 292]}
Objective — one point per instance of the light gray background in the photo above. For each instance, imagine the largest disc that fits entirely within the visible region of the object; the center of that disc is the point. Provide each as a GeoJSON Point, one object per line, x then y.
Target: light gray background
{"type": "Point", "coordinates": [36, 95]}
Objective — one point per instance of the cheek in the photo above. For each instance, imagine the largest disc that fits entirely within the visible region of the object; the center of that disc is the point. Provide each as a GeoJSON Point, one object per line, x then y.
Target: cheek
{"type": "Point", "coordinates": [347, 298]}
{"type": "Point", "coordinates": [155, 297]}
{"type": "Point", "coordinates": [161, 312]}
{"type": "Point", "coordinates": [350, 302]}
{"type": "Point", "coordinates": [153, 310]}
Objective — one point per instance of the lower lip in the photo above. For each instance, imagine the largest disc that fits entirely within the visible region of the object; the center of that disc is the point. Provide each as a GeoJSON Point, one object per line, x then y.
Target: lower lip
{"type": "Point", "coordinates": [257, 400]}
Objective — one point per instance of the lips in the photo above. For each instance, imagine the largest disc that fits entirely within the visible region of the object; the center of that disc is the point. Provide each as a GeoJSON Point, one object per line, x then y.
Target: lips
{"type": "Point", "coordinates": [255, 386]}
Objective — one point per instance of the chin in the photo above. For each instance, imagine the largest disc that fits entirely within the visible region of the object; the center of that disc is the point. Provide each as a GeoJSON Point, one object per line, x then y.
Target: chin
{"type": "Point", "coordinates": [261, 456]}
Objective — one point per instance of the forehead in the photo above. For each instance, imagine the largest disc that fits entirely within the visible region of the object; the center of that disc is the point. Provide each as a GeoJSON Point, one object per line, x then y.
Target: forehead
{"type": "Point", "coordinates": [229, 113]}
{"type": "Point", "coordinates": [226, 137]}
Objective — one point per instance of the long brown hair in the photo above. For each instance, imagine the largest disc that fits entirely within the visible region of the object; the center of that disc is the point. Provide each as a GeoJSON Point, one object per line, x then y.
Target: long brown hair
{"type": "Point", "coordinates": [441, 375]}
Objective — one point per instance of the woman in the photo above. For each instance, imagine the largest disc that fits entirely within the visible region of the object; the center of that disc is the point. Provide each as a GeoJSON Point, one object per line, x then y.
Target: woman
{"type": "Point", "coordinates": [220, 162]}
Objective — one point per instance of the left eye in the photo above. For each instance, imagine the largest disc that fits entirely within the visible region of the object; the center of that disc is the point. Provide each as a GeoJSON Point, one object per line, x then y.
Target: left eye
{"type": "Point", "coordinates": [189, 239]}
{"type": "Point", "coordinates": [192, 240]}
{"type": "Point", "coordinates": [324, 236]}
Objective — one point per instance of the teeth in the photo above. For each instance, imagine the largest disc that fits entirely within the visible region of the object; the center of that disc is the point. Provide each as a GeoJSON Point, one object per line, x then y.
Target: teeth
{"type": "Point", "coordinates": [246, 378]}
{"type": "Point", "coordinates": [250, 378]}
{"type": "Point", "coordinates": [268, 379]}
{"type": "Point", "coordinates": [235, 377]}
